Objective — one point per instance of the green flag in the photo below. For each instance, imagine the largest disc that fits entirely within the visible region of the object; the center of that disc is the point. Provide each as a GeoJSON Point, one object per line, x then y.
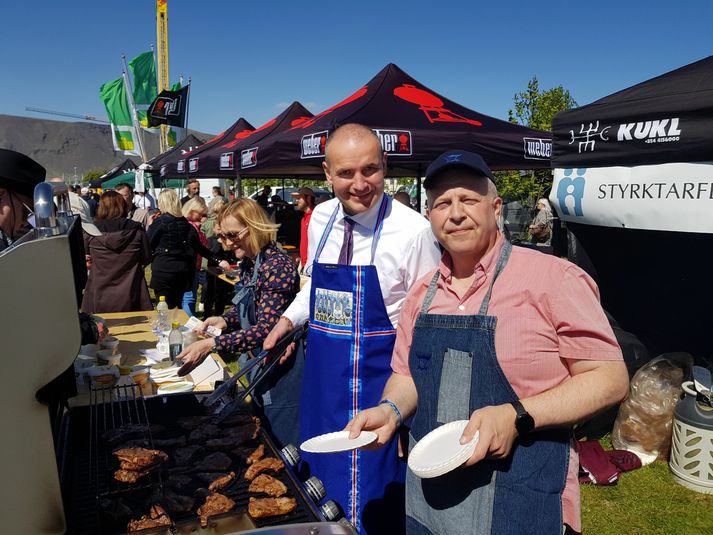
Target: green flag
{"type": "Point", "coordinates": [143, 72]}
{"type": "Point", "coordinates": [113, 95]}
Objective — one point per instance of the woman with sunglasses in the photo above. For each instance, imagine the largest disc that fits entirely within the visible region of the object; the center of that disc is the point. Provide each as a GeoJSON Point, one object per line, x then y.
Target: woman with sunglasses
{"type": "Point", "coordinates": [268, 282]}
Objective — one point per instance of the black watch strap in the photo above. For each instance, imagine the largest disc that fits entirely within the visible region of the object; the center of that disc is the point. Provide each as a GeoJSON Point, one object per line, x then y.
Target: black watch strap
{"type": "Point", "coordinates": [524, 423]}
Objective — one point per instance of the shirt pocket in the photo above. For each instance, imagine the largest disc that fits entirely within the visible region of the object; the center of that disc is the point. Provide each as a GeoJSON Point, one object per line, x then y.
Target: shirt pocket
{"type": "Point", "coordinates": [454, 388]}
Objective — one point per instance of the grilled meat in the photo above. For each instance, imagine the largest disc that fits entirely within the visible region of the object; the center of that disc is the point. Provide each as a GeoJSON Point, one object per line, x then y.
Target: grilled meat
{"type": "Point", "coordinates": [239, 420]}
{"type": "Point", "coordinates": [177, 504]}
{"type": "Point", "coordinates": [169, 443]}
{"type": "Point", "coordinates": [178, 481]}
{"type": "Point", "coordinates": [261, 507]}
{"type": "Point", "coordinates": [135, 443]}
{"type": "Point", "coordinates": [225, 443]}
{"type": "Point", "coordinates": [125, 432]}
{"type": "Point", "coordinates": [268, 485]}
{"type": "Point", "coordinates": [189, 423]}
{"type": "Point", "coordinates": [245, 432]}
{"type": "Point", "coordinates": [203, 432]}
{"type": "Point", "coordinates": [183, 456]}
{"type": "Point", "coordinates": [157, 518]}
{"type": "Point", "coordinates": [222, 482]}
{"type": "Point", "coordinates": [215, 504]}
{"type": "Point", "coordinates": [215, 462]}
{"type": "Point", "coordinates": [129, 476]}
{"type": "Point", "coordinates": [114, 510]}
{"type": "Point", "coordinates": [258, 454]}
{"type": "Point", "coordinates": [209, 477]}
{"type": "Point", "coordinates": [268, 463]}
{"type": "Point", "coordinates": [138, 459]}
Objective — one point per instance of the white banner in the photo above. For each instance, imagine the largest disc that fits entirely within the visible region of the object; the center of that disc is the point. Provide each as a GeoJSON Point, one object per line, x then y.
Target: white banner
{"type": "Point", "coordinates": [673, 196]}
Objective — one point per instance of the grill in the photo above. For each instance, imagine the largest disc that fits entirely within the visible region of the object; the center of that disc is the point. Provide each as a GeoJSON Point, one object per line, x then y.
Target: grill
{"type": "Point", "coordinates": [96, 503]}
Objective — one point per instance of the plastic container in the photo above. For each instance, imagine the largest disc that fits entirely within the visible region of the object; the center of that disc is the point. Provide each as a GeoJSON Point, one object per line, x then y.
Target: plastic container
{"type": "Point", "coordinates": [108, 357]}
{"type": "Point", "coordinates": [111, 343]}
{"type": "Point", "coordinates": [692, 442]}
{"type": "Point", "coordinates": [103, 376]}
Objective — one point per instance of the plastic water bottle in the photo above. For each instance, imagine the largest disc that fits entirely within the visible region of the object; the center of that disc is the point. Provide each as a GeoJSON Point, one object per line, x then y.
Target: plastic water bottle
{"type": "Point", "coordinates": [162, 322]}
{"type": "Point", "coordinates": [175, 341]}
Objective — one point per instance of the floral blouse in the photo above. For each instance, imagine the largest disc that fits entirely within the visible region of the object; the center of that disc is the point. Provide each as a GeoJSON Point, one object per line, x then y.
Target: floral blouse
{"type": "Point", "coordinates": [276, 286]}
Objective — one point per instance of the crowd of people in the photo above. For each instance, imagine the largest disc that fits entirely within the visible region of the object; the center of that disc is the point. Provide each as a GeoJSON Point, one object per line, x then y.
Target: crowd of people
{"type": "Point", "coordinates": [414, 322]}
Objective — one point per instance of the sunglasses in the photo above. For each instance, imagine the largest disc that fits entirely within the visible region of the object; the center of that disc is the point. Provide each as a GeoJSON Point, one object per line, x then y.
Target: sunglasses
{"type": "Point", "coordinates": [232, 236]}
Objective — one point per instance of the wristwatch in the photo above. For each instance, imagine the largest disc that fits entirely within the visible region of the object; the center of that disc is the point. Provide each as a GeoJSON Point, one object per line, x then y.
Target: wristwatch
{"type": "Point", "coordinates": [524, 423]}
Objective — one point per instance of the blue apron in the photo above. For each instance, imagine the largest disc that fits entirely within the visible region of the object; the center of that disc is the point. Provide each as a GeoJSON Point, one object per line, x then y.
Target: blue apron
{"type": "Point", "coordinates": [348, 361]}
{"type": "Point", "coordinates": [277, 398]}
{"type": "Point", "coordinates": [455, 368]}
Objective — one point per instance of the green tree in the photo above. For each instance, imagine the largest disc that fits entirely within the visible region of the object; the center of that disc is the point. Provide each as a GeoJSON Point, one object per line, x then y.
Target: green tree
{"type": "Point", "coordinates": [91, 175]}
{"type": "Point", "coordinates": [534, 108]}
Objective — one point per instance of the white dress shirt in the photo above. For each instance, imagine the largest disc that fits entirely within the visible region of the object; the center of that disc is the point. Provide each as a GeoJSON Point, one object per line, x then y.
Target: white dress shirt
{"type": "Point", "coordinates": [406, 251]}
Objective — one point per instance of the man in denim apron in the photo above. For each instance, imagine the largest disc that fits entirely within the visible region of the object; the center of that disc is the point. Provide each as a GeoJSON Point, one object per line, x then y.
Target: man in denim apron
{"type": "Point", "coordinates": [553, 361]}
{"type": "Point", "coordinates": [365, 251]}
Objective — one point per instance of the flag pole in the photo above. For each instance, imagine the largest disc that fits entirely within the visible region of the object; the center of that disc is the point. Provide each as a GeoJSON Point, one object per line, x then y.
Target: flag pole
{"type": "Point", "coordinates": [188, 103]}
{"type": "Point", "coordinates": [134, 115]}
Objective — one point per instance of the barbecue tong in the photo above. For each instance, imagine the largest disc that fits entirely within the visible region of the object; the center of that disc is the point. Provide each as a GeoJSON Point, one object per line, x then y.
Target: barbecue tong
{"type": "Point", "coordinates": [225, 395]}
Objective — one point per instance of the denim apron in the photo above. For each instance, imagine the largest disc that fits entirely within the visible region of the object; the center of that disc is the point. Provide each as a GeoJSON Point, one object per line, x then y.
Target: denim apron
{"type": "Point", "coordinates": [348, 360]}
{"type": "Point", "coordinates": [455, 368]}
{"type": "Point", "coordinates": [277, 397]}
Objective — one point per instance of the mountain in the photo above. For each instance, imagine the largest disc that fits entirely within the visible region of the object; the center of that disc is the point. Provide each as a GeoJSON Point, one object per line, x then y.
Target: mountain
{"type": "Point", "coordinates": [64, 148]}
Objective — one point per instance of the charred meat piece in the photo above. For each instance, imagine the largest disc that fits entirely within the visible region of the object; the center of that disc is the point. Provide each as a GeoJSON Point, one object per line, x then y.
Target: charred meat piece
{"type": "Point", "coordinates": [268, 485]}
{"type": "Point", "coordinates": [183, 456]}
{"type": "Point", "coordinates": [222, 444]}
{"type": "Point", "coordinates": [135, 443]}
{"type": "Point", "coordinates": [215, 462]}
{"type": "Point", "coordinates": [268, 463]}
{"type": "Point", "coordinates": [203, 432]}
{"type": "Point", "coordinates": [222, 482]}
{"type": "Point", "coordinates": [189, 423]}
{"type": "Point", "coordinates": [256, 455]}
{"type": "Point", "coordinates": [178, 481]}
{"type": "Point", "coordinates": [239, 420]}
{"type": "Point", "coordinates": [114, 510]}
{"type": "Point", "coordinates": [260, 507]}
{"type": "Point", "coordinates": [139, 459]}
{"type": "Point", "coordinates": [209, 477]}
{"type": "Point", "coordinates": [129, 476]}
{"type": "Point", "coordinates": [215, 504]}
{"type": "Point", "coordinates": [250, 431]}
{"type": "Point", "coordinates": [177, 504]}
{"type": "Point", "coordinates": [125, 432]}
{"type": "Point", "coordinates": [169, 443]}
{"type": "Point", "coordinates": [157, 518]}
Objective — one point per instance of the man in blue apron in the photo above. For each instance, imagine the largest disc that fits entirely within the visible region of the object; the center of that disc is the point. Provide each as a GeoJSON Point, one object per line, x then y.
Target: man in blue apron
{"type": "Point", "coordinates": [365, 252]}
{"type": "Point", "coordinates": [510, 339]}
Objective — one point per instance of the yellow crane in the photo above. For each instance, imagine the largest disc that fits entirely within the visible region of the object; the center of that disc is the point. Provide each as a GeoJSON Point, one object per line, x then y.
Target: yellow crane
{"type": "Point", "coordinates": [162, 59]}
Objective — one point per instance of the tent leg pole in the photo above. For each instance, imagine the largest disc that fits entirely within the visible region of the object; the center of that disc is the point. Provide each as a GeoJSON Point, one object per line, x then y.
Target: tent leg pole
{"type": "Point", "coordinates": [418, 189]}
{"type": "Point", "coordinates": [238, 186]}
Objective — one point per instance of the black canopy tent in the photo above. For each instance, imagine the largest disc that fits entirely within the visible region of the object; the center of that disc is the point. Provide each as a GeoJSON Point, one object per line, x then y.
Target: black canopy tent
{"type": "Point", "coordinates": [175, 165]}
{"type": "Point", "coordinates": [186, 145]}
{"type": "Point", "coordinates": [231, 156]}
{"type": "Point", "coordinates": [634, 182]}
{"type": "Point", "coordinates": [124, 167]}
{"type": "Point", "coordinates": [414, 124]}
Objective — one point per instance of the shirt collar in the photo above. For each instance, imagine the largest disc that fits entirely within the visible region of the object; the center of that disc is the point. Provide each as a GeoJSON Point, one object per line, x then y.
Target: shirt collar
{"type": "Point", "coordinates": [365, 219]}
{"type": "Point", "coordinates": [486, 265]}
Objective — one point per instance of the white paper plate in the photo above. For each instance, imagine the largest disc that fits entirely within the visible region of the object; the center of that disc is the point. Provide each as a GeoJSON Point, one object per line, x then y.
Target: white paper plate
{"type": "Point", "coordinates": [440, 451]}
{"type": "Point", "coordinates": [338, 441]}
{"type": "Point", "coordinates": [175, 388]}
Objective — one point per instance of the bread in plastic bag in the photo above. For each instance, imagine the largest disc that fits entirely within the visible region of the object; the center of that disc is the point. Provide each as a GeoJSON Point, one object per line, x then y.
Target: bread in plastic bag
{"type": "Point", "coordinates": [645, 420]}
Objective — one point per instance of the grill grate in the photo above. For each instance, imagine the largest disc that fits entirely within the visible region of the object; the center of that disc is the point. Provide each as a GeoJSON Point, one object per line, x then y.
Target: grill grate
{"type": "Point", "coordinates": [111, 408]}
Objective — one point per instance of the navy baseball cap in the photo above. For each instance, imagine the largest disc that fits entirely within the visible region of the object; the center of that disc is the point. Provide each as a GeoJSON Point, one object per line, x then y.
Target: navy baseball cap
{"type": "Point", "coordinates": [457, 158]}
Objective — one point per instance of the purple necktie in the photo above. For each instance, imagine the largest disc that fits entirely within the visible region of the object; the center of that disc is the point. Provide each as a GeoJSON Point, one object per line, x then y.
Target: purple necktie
{"type": "Point", "coordinates": [345, 255]}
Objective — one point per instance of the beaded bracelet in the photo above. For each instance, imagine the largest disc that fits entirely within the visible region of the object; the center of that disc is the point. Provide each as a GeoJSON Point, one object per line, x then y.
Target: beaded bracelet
{"type": "Point", "coordinates": [399, 418]}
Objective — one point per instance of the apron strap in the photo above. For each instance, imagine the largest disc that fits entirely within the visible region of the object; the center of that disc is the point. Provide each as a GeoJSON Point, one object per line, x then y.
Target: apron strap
{"type": "Point", "coordinates": [383, 208]}
{"type": "Point", "coordinates": [502, 260]}
{"type": "Point", "coordinates": [432, 287]}
{"type": "Point", "coordinates": [504, 256]}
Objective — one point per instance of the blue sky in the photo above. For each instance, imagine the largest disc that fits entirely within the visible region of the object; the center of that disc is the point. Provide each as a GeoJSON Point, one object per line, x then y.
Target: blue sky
{"type": "Point", "coordinates": [252, 59]}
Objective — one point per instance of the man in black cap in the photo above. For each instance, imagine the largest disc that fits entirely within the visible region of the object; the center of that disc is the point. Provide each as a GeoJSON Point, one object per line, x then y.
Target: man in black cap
{"type": "Point", "coordinates": [511, 348]}
{"type": "Point", "coordinates": [19, 174]}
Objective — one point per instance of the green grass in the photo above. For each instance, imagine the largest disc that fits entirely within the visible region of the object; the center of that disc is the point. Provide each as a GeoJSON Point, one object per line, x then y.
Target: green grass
{"type": "Point", "coordinates": [646, 501]}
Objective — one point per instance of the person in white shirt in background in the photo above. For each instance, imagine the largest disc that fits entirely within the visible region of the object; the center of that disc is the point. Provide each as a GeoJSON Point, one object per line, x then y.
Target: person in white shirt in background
{"type": "Point", "coordinates": [347, 359]}
{"type": "Point", "coordinates": [143, 199]}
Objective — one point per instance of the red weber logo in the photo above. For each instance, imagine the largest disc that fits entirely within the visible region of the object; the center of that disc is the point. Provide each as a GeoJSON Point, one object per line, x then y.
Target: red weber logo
{"type": "Point", "coordinates": [248, 158]}
{"type": "Point", "coordinates": [193, 165]}
{"type": "Point", "coordinates": [313, 145]}
{"type": "Point", "coordinates": [181, 166]}
{"type": "Point", "coordinates": [395, 142]}
{"type": "Point", "coordinates": [226, 160]}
